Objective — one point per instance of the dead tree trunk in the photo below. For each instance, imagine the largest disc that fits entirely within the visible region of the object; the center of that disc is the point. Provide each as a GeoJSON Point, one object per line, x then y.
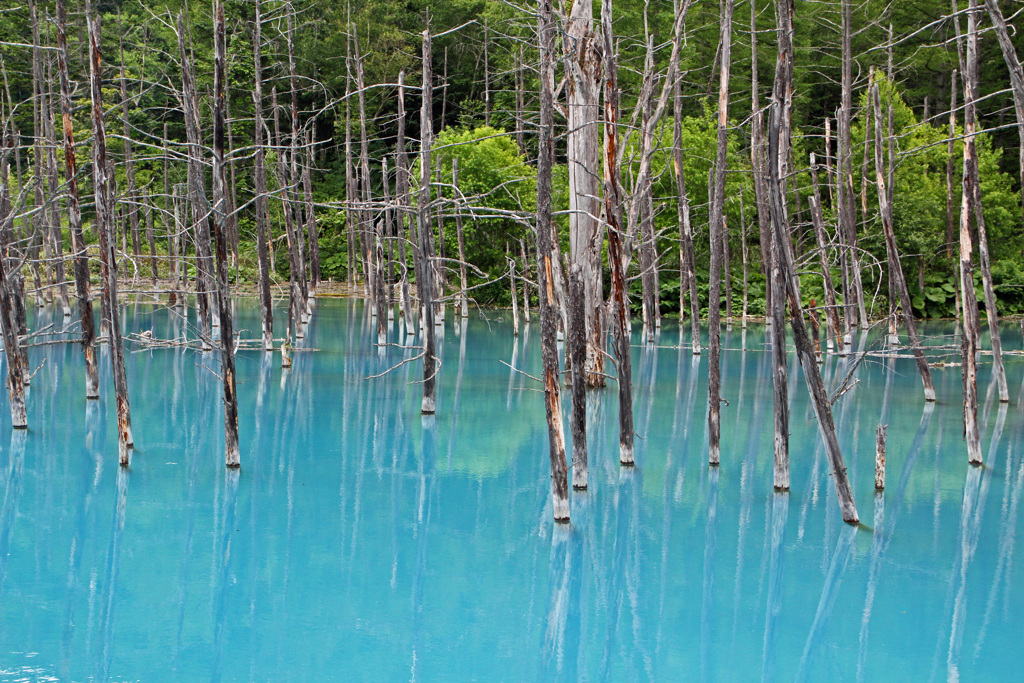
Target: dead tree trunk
{"type": "Point", "coordinates": [583, 90]}
{"type": "Point", "coordinates": [295, 303]}
{"type": "Point", "coordinates": [221, 208]}
{"type": "Point", "coordinates": [105, 219]}
{"type": "Point", "coordinates": [129, 161]}
{"type": "Point", "coordinates": [612, 206]}
{"type": "Point", "coordinates": [425, 275]}
{"type": "Point", "coordinates": [856, 311]}
{"type": "Point", "coordinates": [8, 322]}
{"type": "Point", "coordinates": [312, 234]}
{"type": "Point", "coordinates": [780, 223]}
{"type": "Point", "coordinates": [687, 268]}
{"type": "Point", "coordinates": [196, 190]}
{"type": "Point", "coordinates": [405, 219]}
{"type": "Point", "coordinates": [545, 267]}
{"type": "Point", "coordinates": [717, 230]}
{"type": "Point", "coordinates": [576, 346]}
{"type": "Point", "coordinates": [303, 309]}
{"type": "Point", "coordinates": [950, 152]}
{"type": "Point", "coordinates": [260, 179]}
{"type": "Point", "coordinates": [1016, 80]}
{"type": "Point", "coordinates": [81, 261]}
{"type": "Point", "coordinates": [895, 269]}
{"type": "Point", "coordinates": [831, 307]}
{"type": "Point", "coordinates": [759, 171]}
{"type": "Point", "coordinates": [463, 296]}
{"type": "Point", "coordinates": [969, 339]}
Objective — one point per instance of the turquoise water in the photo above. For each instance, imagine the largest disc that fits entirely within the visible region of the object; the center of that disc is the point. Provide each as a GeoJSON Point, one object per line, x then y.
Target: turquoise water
{"type": "Point", "coordinates": [361, 541]}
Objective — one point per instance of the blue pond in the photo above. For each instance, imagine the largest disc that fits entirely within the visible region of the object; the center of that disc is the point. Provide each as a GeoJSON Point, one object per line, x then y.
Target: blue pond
{"type": "Point", "coordinates": [360, 541]}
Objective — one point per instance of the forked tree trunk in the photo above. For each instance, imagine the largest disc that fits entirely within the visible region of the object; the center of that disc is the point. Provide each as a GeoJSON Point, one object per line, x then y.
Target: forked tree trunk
{"type": "Point", "coordinates": [895, 269]}
{"type": "Point", "coordinates": [81, 261]}
{"type": "Point", "coordinates": [221, 226]}
{"type": "Point", "coordinates": [545, 268]}
{"type": "Point", "coordinates": [105, 219]}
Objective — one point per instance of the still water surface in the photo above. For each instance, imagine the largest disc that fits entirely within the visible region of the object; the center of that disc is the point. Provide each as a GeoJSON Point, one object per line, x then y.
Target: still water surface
{"type": "Point", "coordinates": [361, 541]}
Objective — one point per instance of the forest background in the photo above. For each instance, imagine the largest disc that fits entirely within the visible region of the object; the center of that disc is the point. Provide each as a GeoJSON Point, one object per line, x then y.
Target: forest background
{"type": "Point", "coordinates": [485, 114]}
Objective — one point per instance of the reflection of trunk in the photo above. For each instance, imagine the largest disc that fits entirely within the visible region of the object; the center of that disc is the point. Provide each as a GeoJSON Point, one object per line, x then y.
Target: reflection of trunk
{"type": "Point", "coordinates": [717, 231]}
{"type": "Point", "coordinates": [81, 262]}
{"type": "Point", "coordinates": [895, 269]}
{"type": "Point", "coordinates": [545, 268]}
{"type": "Point", "coordinates": [776, 567]}
{"type": "Point", "coordinates": [827, 601]}
{"type": "Point", "coordinates": [710, 543]}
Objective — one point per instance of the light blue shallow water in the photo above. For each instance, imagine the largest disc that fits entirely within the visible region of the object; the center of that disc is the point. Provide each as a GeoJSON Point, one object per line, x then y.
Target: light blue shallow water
{"type": "Point", "coordinates": [360, 541]}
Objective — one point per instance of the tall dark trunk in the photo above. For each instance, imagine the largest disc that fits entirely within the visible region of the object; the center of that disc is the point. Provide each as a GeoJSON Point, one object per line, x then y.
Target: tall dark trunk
{"type": "Point", "coordinates": [425, 276]}
{"type": "Point", "coordinates": [81, 261]}
{"type": "Point", "coordinates": [8, 322]}
{"type": "Point", "coordinates": [717, 230]}
{"type": "Point", "coordinates": [260, 179]}
{"type": "Point", "coordinates": [545, 268]}
{"type": "Point", "coordinates": [613, 214]}
{"type": "Point", "coordinates": [781, 99]}
{"type": "Point", "coordinates": [221, 226]}
{"type": "Point", "coordinates": [105, 220]}
{"type": "Point", "coordinates": [196, 190]}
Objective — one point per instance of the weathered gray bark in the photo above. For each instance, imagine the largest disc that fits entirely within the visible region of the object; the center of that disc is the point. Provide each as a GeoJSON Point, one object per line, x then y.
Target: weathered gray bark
{"type": "Point", "coordinates": [969, 303]}
{"type": "Point", "coordinates": [105, 221]}
{"type": "Point", "coordinates": [221, 226]}
{"type": "Point", "coordinates": [880, 457]}
{"type": "Point", "coordinates": [312, 234]}
{"type": "Point", "coordinates": [463, 296]}
{"type": "Point", "coordinates": [295, 138]}
{"type": "Point", "coordinates": [545, 274]}
{"type": "Point", "coordinates": [81, 261]}
{"type": "Point", "coordinates": [717, 230]}
{"type": "Point", "coordinates": [425, 274]}
{"type": "Point", "coordinates": [405, 219]}
{"type": "Point", "coordinates": [583, 88]}
{"type": "Point", "coordinates": [895, 269]}
{"type": "Point", "coordinates": [950, 152]}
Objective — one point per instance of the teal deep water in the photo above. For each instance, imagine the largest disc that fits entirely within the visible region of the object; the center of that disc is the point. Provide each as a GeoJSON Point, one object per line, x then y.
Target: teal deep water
{"type": "Point", "coordinates": [361, 541]}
